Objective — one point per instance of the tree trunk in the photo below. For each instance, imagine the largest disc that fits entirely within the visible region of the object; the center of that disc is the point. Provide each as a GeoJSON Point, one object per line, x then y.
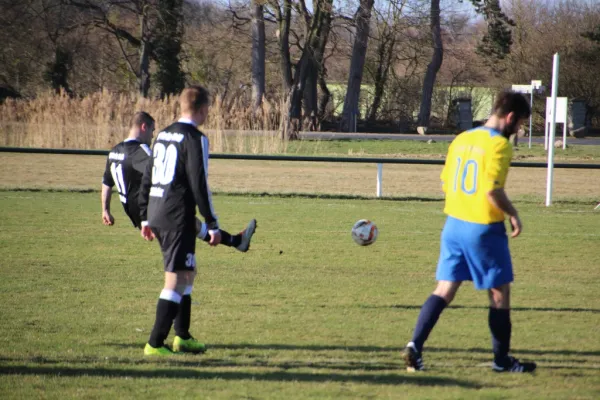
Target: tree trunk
{"type": "Point", "coordinates": [385, 53]}
{"type": "Point", "coordinates": [285, 17]}
{"type": "Point", "coordinates": [258, 54]}
{"type": "Point", "coordinates": [434, 65]}
{"type": "Point", "coordinates": [57, 71]}
{"type": "Point", "coordinates": [311, 96]}
{"type": "Point", "coordinates": [351, 103]}
{"type": "Point", "coordinates": [292, 119]}
{"type": "Point", "coordinates": [144, 51]}
{"type": "Point", "coordinates": [315, 73]}
{"type": "Point", "coordinates": [144, 78]}
{"type": "Point", "coordinates": [325, 95]}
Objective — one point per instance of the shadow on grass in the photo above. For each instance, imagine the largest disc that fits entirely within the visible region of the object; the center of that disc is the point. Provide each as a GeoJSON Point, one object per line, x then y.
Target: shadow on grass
{"type": "Point", "coordinates": [196, 361]}
{"type": "Point", "coordinates": [374, 349]}
{"type": "Point", "coordinates": [368, 349]}
{"type": "Point", "coordinates": [276, 376]}
{"type": "Point", "coordinates": [540, 309]}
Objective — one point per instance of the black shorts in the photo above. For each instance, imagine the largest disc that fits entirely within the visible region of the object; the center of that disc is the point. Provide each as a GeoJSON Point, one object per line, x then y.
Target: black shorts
{"type": "Point", "coordinates": [133, 212]}
{"type": "Point", "coordinates": [178, 249]}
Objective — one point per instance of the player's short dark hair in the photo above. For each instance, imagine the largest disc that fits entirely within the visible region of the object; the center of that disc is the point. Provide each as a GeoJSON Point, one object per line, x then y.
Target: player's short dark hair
{"type": "Point", "coordinates": [507, 102]}
{"type": "Point", "coordinates": [192, 98]}
{"type": "Point", "coordinates": [139, 118]}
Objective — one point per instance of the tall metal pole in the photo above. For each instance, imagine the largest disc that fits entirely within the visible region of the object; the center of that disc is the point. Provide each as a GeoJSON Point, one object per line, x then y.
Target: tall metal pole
{"type": "Point", "coordinates": [531, 116]}
{"type": "Point", "coordinates": [552, 131]}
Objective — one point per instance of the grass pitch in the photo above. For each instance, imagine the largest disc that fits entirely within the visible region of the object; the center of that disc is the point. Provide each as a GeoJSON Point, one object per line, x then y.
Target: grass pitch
{"type": "Point", "coordinates": [66, 172]}
{"type": "Point", "coordinates": [305, 314]}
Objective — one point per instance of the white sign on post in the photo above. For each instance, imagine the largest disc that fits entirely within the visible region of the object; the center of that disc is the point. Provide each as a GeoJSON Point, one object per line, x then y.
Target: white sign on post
{"type": "Point", "coordinates": [525, 89]}
{"type": "Point", "coordinates": [562, 104]}
{"type": "Point", "coordinates": [561, 110]}
{"type": "Point", "coordinates": [533, 87]}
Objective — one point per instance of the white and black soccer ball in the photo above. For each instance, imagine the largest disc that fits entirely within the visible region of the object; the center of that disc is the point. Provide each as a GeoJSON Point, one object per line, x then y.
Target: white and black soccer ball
{"type": "Point", "coordinates": [364, 232]}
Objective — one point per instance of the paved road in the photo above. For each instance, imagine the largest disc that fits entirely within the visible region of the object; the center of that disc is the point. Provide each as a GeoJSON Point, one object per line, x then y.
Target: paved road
{"type": "Point", "coordinates": [439, 138]}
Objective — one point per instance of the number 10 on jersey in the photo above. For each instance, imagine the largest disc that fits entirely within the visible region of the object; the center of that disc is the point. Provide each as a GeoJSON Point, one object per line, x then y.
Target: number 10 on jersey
{"type": "Point", "coordinates": [466, 172]}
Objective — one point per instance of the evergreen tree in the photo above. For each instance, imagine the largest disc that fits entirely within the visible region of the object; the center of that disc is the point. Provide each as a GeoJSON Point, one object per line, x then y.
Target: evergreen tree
{"type": "Point", "coordinates": [496, 43]}
{"type": "Point", "coordinates": [167, 47]}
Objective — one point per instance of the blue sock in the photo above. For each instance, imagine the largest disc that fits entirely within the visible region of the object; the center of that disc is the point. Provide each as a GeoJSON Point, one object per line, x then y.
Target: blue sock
{"type": "Point", "coordinates": [500, 326]}
{"type": "Point", "coordinates": [430, 312]}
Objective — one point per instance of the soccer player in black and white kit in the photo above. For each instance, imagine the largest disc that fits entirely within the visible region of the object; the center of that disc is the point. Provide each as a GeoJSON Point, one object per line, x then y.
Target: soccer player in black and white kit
{"type": "Point", "coordinates": [125, 166]}
{"type": "Point", "coordinates": [174, 184]}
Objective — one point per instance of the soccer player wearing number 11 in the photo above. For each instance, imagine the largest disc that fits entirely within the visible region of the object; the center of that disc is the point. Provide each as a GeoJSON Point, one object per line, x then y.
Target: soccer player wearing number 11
{"type": "Point", "coordinates": [474, 244]}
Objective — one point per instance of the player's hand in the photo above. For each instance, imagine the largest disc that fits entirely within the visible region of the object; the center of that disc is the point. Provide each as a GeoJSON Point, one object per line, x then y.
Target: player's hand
{"type": "Point", "coordinates": [215, 237]}
{"type": "Point", "coordinates": [147, 233]}
{"type": "Point", "coordinates": [107, 218]}
{"type": "Point", "coordinates": [517, 227]}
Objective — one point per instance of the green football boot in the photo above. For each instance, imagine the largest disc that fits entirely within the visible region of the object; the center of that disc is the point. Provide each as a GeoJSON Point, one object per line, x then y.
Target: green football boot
{"type": "Point", "coordinates": [190, 345]}
{"type": "Point", "coordinates": [160, 351]}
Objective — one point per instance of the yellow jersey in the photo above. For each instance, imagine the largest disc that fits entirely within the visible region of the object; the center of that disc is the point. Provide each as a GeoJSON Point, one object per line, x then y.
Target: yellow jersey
{"type": "Point", "coordinates": [477, 162]}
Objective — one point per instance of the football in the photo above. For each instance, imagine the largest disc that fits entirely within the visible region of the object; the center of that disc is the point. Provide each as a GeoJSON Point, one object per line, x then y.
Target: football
{"type": "Point", "coordinates": [364, 232]}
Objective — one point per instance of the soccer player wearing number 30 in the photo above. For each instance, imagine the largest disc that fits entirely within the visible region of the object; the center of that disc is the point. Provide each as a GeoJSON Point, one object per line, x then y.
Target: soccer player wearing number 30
{"type": "Point", "coordinates": [474, 244]}
{"type": "Point", "coordinates": [174, 184]}
{"type": "Point", "coordinates": [125, 166]}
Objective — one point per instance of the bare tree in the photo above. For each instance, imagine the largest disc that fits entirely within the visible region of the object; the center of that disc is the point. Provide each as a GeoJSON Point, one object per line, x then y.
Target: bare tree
{"type": "Point", "coordinates": [315, 72]}
{"type": "Point", "coordinates": [359, 51]}
{"type": "Point", "coordinates": [292, 119]}
{"type": "Point", "coordinates": [543, 29]}
{"type": "Point", "coordinates": [434, 65]}
{"type": "Point", "coordinates": [258, 53]}
{"type": "Point", "coordinates": [283, 15]}
{"type": "Point", "coordinates": [98, 13]}
{"type": "Point", "coordinates": [384, 54]}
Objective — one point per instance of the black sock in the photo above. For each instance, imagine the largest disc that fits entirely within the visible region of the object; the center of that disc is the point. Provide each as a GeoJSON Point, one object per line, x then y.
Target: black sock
{"type": "Point", "coordinates": [182, 320]}
{"type": "Point", "coordinates": [166, 310]}
{"type": "Point", "coordinates": [235, 240]}
{"type": "Point", "coordinates": [430, 312]}
{"type": "Point", "coordinates": [501, 327]}
{"type": "Point", "coordinates": [226, 239]}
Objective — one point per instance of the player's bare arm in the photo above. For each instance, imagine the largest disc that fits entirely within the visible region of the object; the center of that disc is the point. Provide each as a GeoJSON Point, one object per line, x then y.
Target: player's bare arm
{"type": "Point", "coordinates": [107, 218]}
{"type": "Point", "coordinates": [500, 200]}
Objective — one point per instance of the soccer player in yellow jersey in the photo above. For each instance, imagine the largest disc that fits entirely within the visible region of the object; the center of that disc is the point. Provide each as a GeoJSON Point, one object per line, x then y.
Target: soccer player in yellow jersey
{"type": "Point", "coordinates": [474, 244]}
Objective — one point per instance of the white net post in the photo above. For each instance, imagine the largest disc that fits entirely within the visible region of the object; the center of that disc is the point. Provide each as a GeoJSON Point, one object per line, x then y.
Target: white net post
{"type": "Point", "coordinates": [531, 116]}
{"type": "Point", "coordinates": [546, 135]}
{"type": "Point", "coordinates": [552, 132]}
{"type": "Point", "coordinates": [379, 180]}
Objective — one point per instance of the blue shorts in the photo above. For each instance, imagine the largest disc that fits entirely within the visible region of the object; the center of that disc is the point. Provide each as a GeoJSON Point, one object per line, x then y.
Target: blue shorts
{"type": "Point", "coordinates": [475, 252]}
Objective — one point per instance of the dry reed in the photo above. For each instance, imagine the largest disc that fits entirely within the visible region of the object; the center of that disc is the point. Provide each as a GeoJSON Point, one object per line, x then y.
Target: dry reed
{"type": "Point", "coordinates": [99, 121]}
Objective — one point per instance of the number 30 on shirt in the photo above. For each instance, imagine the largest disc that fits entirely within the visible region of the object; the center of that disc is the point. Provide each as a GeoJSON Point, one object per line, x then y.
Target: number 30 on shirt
{"type": "Point", "coordinates": [465, 177]}
{"type": "Point", "coordinates": [165, 161]}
